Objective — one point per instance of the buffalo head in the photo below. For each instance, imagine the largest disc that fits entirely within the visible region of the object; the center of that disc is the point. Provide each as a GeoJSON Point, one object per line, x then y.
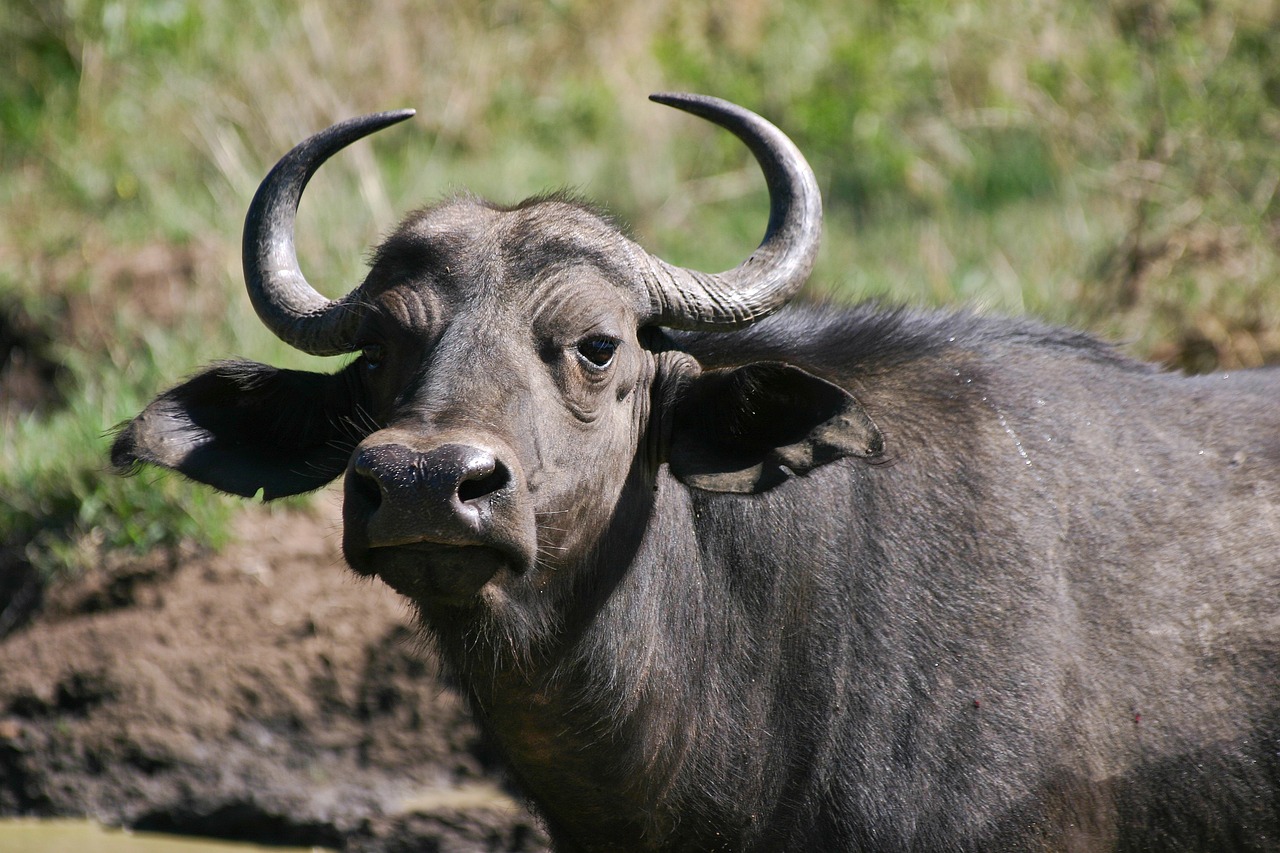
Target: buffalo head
{"type": "Point", "coordinates": [514, 394]}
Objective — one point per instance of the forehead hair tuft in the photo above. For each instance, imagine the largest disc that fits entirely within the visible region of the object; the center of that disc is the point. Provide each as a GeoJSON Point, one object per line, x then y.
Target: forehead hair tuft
{"type": "Point", "coordinates": [536, 233]}
{"type": "Point", "coordinates": [563, 198]}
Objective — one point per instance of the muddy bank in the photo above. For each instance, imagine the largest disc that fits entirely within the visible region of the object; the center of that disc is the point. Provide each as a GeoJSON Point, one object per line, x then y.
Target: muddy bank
{"type": "Point", "coordinates": [261, 694]}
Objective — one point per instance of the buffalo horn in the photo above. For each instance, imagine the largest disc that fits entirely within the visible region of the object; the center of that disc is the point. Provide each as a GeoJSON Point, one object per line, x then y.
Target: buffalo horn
{"type": "Point", "coordinates": [288, 305]}
{"type": "Point", "coordinates": [687, 299]}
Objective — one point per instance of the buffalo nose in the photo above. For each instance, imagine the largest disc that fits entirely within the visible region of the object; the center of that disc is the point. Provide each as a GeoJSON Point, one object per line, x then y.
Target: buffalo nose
{"type": "Point", "coordinates": [444, 494]}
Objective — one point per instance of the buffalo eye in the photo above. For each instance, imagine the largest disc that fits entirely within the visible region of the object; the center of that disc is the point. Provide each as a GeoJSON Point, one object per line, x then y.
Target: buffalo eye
{"type": "Point", "coordinates": [597, 353]}
{"type": "Point", "coordinates": [373, 355]}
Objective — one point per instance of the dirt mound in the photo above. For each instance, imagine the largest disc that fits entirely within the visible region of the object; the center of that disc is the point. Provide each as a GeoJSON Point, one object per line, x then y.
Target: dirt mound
{"type": "Point", "coordinates": [264, 693]}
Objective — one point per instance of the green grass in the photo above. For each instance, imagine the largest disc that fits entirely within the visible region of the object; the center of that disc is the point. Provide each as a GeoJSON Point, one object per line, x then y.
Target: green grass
{"type": "Point", "coordinates": [1108, 165]}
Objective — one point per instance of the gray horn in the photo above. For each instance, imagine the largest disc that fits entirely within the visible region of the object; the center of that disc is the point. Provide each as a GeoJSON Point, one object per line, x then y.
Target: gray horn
{"type": "Point", "coordinates": [286, 303]}
{"type": "Point", "coordinates": [679, 298]}
{"type": "Point", "coordinates": [688, 299]}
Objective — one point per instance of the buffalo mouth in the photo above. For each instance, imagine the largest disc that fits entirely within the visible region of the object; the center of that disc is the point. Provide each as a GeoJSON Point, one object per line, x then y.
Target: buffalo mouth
{"type": "Point", "coordinates": [432, 572]}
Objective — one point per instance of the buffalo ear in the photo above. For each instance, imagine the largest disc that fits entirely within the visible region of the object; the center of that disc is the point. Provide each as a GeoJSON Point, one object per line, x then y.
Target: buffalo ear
{"type": "Point", "coordinates": [749, 429]}
{"type": "Point", "coordinates": [243, 427]}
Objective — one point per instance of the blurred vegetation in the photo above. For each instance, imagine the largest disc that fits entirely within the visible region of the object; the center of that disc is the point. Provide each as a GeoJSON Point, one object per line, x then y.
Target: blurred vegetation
{"type": "Point", "coordinates": [1112, 165]}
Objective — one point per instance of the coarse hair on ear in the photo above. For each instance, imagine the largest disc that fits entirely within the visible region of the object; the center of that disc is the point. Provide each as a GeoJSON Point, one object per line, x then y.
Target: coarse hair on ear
{"type": "Point", "coordinates": [751, 428]}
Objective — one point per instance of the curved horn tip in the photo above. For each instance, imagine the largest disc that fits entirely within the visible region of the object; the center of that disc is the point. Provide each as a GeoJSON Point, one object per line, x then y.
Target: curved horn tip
{"type": "Point", "coordinates": [670, 97]}
{"type": "Point", "coordinates": [690, 102]}
{"type": "Point", "coordinates": [393, 116]}
{"type": "Point", "coordinates": [377, 121]}
{"type": "Point", "coordinates": [347, 131]}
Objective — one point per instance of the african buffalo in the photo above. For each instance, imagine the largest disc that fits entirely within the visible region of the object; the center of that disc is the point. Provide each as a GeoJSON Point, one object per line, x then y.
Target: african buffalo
{"type": "Point", "coordinates": [839, 579]}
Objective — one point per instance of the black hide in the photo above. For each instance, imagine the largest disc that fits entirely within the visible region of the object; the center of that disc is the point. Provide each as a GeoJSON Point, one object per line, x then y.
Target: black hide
{"type": "Point", "coordinates": [1029, 603]}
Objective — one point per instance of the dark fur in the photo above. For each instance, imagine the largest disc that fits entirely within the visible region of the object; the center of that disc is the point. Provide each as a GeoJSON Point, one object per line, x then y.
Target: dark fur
{"type": "Point", "coordinates": [1038, 612]}
{"type": "Point", "coordinates": [950, 651]}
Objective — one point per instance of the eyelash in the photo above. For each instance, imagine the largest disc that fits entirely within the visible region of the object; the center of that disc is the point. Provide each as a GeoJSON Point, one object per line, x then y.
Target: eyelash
{"type": "Point", "coordinates": [372, 355]}
{"type": "Point", "coordinates": [597, 353]}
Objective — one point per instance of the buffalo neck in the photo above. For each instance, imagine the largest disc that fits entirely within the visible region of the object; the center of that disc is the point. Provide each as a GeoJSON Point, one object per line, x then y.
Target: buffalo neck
{"type": "Point", "coordinates": [609, 723]}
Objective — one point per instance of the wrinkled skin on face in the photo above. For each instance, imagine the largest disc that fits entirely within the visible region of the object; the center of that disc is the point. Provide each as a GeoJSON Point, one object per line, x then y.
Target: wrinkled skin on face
{"type": "Point", "coordinates": [504, 396]}
{"type": "Point", "coordinates": [529, 354]}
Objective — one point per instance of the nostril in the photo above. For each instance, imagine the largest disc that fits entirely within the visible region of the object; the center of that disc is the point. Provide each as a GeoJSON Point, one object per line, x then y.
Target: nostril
{"type": "Point", "coordinates": [474, 488]}
{"type": "Point", "coordinates": [364, 485]}
{"type": "Point", "coordinates": [403, 479]}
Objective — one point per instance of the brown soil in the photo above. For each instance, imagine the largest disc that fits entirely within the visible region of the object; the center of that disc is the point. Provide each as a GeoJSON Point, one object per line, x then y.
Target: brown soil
{"type": "Point", "coordinates": [263, 693]}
